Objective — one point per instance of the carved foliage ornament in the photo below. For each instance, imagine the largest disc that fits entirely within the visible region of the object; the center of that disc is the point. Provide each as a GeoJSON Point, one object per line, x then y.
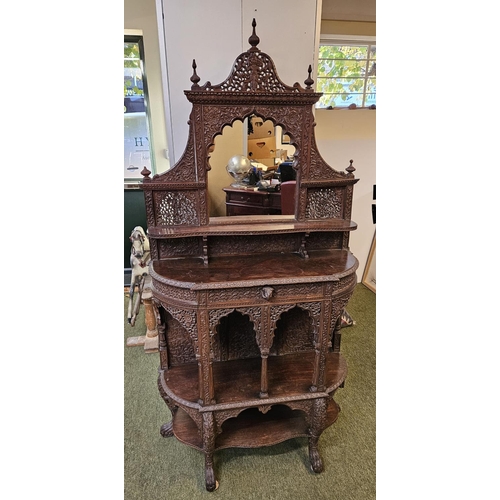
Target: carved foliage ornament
{"type": "Point", "coordinates": [253, 71]}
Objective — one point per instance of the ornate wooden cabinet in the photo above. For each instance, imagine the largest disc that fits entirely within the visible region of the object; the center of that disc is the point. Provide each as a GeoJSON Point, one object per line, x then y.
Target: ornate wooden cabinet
{"type": "Point", "coordinates": [248, 307]}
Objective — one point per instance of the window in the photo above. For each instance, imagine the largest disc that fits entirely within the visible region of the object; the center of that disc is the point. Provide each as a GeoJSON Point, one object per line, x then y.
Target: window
{"type": "Point", "coordinates": [346, 74]}
{"type": "Point", "coordinates": [137, 154]}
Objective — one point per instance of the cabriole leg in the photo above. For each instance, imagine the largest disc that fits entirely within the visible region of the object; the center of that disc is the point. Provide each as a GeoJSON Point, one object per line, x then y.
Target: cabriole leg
{"type": "Point", "coordinates": [208, 447]}
{"type": "Point", "coordinates": [314, 458]}
{"type": "Point", "coordinates": [318, 418]}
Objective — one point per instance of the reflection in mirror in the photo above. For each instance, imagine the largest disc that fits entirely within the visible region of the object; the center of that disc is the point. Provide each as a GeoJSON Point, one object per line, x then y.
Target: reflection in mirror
{"type": "Point", "coordinates": [263, 144]}
{"type": "Point", "coordinates": [227, 145]}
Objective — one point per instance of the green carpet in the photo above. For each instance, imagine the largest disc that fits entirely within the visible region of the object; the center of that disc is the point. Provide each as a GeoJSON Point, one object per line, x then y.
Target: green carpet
{"type": "Point", "coordinates": [157, 468]}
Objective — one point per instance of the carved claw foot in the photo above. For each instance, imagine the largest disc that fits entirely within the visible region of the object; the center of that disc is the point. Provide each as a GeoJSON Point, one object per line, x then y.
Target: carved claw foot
{"type": "Point", "coordinates": [314, 458]}
{"type": "Point", "coordinates": [167, 430]}
{"type": "Point", "coordinates": [211, 483]}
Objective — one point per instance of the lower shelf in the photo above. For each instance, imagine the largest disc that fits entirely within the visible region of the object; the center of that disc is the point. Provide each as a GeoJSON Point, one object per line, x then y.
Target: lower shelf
{"type": "Point", "coordinates": [238, 381]}
{"type": "Point", "coordinates": [252, 429]}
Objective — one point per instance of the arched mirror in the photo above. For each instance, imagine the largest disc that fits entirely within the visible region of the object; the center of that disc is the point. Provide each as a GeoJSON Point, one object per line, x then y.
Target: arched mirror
{"type": "Point", "coordinates": [263, 154]}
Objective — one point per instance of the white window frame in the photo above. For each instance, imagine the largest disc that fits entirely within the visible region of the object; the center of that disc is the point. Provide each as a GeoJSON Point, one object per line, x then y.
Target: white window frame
{"type": "Point", "coordinates": [333, 39]}
{"type": "Point", "coordinates": [143, 148]}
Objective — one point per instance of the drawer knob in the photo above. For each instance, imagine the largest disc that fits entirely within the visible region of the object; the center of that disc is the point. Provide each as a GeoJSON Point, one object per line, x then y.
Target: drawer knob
{"type": "Point", "coordinates": [267, 292]}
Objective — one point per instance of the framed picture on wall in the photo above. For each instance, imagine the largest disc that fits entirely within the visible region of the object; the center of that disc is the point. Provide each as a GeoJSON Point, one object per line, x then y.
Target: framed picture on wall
{"type": "Point", "coordinates": [369, 278]}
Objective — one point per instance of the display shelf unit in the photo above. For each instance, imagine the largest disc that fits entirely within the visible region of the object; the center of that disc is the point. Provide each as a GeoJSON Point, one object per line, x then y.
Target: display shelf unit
{"type": "Point", "coordinates": [248, 307]}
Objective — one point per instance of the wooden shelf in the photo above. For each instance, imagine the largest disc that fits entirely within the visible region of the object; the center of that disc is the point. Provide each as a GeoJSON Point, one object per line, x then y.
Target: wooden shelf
{"type": "Point", "coordinates": [224, 272]}
{"type": "Point", "coordinates": [252, 429]}
{"type": "Point", "coordinates": [251, 225]}
{"type": "Point", "coordinates": [289, 376]}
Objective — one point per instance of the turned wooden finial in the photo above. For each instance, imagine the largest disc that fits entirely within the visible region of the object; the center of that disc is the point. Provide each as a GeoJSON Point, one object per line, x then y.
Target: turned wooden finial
{"type": "Point", "coordinates": [145, 172]}
{"type": "Point", "coordinates": [254, 39]}
{"type": "Point", "coordinates": [309, 81]}
{"type": "Point", "coordinates": [195, 78]}
{"type": "Point", "coordinates": [350, 168]}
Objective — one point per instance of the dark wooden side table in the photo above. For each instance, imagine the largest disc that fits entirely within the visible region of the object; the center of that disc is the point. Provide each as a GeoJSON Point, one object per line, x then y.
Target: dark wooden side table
{"type": "Point", "coordinates": [252, 202]}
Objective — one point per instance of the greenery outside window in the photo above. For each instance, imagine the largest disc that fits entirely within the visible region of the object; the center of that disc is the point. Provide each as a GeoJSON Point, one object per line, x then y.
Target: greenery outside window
{"type": "Point", "coordinates": [137, 137]}
{"type": "Point", "coordinates": [347, 74]}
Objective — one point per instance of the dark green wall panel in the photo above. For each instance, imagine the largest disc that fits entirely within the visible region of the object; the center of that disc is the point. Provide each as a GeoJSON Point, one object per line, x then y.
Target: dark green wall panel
{"type": "Point", "coordinates": [134, 215]}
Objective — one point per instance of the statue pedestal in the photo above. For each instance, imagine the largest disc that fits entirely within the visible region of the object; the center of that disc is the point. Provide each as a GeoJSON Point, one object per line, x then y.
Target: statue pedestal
{"type": "Point", "coordinates": [150, 340]}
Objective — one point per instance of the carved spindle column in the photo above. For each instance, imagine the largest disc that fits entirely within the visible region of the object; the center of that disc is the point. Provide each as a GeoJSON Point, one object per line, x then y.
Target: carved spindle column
{"type": "Point", "coordinates": [206, 379]}
{"type": "Point", "coordinates": [324, 336]}
{"type": "Point", "coordinates": [265, 340]}
{"type": "Point", "coordinates": [205, 250]}
{"type": "Point", "coordinates": [320, 313]}
{"type": "Point", "coordinates": [263, 375]}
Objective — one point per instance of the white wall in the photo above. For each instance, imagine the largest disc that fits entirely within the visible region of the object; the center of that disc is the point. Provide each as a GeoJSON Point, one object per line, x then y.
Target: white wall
{"type": "Point", "coordinates": [343, 135]}
{"type": "Point", "coordinates": [215, 33]}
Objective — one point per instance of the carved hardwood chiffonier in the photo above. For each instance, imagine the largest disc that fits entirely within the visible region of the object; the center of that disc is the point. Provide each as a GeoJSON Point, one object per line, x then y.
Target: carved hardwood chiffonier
{"type": "Point", "coordinates": [248, 307]}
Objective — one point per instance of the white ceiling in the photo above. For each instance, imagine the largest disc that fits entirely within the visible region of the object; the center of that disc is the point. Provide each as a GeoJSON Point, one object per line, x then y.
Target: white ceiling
{"type": "Point", "coordinates": [349, 10]}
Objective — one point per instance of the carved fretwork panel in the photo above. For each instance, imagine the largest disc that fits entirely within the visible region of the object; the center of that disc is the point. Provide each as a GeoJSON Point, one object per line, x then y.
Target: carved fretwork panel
{"type": "Point", "coordinates": [314, 309]}
{"type": "Point", "coordinates": [300, 290]}
{"type": "Point", "coordinates": [320, 241]}
{"type": "Point", "coordinates": [253, 71]}
{"type": "Point", "coordinates": [179, 345]}
{"type": "Point", "coordinates": [172, 292]}
{"type": "Point", "coordinates": [290, 118]}
{"type": "Point", "coordinates": [274, 315]}
{"type": "Point", "coordinates": [324, 203]}
{"type": "Point", "coordinates": [219, 245]}
{"type": "Point", "coordinates": [294, 332]}
{"type": "Point", "coordinates": [214, 316]}
{"type": "Point", "coordinates": [230, 295]}
{"type": "Point", "coordinates": [235, 339]}
{"type": "Point", "coordinates": [222, 415]}
{"type": "Point", "coordinates": [255, 315]}
{"type": "Point", "coordinates": [187, 318]}
{"type": "Point", "coordinates": [179, 247]}
{"type": "Point", "coordinates": [215, 118]}
{"type": "Point", "coordinates": [176, 208]}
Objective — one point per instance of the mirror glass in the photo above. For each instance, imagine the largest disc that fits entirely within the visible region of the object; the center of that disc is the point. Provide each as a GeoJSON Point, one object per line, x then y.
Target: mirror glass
{"type": "Point", "coordinates": [265, 145]}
